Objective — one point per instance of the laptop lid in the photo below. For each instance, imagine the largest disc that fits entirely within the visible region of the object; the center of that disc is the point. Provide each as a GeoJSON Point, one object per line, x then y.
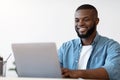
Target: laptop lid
{"type": "Point", "coordinates": [36, 60]}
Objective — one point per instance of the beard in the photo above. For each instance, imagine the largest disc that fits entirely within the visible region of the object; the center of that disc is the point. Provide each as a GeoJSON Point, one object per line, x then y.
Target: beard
{"type": "Point", "coordinates": [89, 32]}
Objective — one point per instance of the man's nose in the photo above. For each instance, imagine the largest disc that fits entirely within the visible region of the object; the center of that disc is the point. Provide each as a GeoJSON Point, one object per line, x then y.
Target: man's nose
{"type": "Point", "coordinates": [81, 23]}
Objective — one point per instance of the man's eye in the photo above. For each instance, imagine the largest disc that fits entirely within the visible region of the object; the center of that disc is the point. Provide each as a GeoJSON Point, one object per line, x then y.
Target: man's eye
{"type": "Point", "coordinates": [76, 20]}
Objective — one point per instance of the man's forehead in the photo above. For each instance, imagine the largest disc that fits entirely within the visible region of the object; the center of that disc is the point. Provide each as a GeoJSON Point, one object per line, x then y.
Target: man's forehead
{"type": "Point", "coordinates": [84, 12]}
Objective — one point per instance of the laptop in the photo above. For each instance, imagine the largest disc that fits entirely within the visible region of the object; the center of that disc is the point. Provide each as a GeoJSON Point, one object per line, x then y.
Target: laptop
{"type": "Point", "coordinates": [36, 60]}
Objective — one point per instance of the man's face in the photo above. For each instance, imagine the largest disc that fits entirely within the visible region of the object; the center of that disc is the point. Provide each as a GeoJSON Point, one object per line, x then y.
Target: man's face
{"type": "Point", "coordinates": [85, 23]}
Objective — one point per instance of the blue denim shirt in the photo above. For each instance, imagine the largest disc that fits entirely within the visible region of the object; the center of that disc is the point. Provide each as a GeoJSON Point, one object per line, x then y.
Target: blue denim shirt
{"type": "Point", "coordinates": [105, 54]}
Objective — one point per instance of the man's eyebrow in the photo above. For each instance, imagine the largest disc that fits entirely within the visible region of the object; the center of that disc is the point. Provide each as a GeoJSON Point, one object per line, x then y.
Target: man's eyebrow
{"type": "Point", "coordinates": [83, 17]}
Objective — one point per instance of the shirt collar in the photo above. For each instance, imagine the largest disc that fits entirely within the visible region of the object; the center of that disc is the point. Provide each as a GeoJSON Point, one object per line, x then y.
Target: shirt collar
{"type": "Point", "coordinates": [96, 39]}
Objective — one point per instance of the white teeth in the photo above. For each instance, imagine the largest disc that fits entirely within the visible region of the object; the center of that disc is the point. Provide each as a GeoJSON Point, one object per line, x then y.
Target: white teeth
{"type": "Point", "coordinates": [82, 29]}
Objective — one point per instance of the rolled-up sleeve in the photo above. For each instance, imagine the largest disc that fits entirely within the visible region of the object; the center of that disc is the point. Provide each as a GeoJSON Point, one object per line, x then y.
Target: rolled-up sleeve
{"type": "Point", "coordinates": [112, 63]}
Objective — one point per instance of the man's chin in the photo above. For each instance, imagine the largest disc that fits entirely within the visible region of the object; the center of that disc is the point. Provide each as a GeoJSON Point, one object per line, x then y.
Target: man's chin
{"type": "Point", "coordinates": [82, 35]}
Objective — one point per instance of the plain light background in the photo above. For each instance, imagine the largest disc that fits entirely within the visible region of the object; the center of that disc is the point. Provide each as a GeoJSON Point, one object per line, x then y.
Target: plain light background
{"type": "Point", "coordinates": [24, 21]}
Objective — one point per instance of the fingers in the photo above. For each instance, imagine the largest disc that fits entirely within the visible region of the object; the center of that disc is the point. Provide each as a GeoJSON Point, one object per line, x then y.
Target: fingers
{"type": "Point", "coordinates": [65, 73]}
{"type": "Point", "coordinates": [64, 70]}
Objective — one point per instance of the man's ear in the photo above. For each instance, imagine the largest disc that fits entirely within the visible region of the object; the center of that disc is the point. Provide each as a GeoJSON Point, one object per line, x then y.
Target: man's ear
{"type": "Point", "coordinates": [97, 21]}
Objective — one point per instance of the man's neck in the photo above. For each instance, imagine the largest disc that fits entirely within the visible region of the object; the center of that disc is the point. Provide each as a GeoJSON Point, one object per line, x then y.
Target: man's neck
{"type": "Point", "coordinates": [89, 40]}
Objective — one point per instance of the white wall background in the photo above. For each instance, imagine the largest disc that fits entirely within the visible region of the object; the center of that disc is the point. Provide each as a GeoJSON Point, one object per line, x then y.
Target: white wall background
{"type": "Point", "coordinates": [50, 21]}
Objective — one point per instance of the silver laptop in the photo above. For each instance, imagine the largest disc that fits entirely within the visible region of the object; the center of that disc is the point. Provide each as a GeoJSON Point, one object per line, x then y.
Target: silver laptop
{"type": "Point", "coordinates": [36, 60]}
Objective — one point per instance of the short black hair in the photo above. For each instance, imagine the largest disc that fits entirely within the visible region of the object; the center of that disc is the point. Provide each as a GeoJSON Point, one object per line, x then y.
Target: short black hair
{"type": "Point", "coordinates": [87, 6]}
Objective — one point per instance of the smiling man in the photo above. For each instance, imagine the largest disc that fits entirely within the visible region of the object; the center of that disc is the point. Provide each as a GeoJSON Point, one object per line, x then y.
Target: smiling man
{"type": "Point", "coordinates": [91, 56]}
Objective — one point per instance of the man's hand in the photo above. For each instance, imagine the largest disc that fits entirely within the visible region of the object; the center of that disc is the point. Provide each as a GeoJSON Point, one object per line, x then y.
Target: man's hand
{"type": "Point", "coordinates": [96, 74]}
{"type": "Point", "coordinates": [67, 73]}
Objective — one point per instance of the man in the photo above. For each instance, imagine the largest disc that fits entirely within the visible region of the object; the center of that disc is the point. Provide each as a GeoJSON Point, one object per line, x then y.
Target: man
{"type": "Point", "coordinates": [91, 56]}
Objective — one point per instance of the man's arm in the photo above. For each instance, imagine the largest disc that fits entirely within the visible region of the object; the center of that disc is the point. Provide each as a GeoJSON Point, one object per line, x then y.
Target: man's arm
{"type": "Point", "coordinates": [99, 73]}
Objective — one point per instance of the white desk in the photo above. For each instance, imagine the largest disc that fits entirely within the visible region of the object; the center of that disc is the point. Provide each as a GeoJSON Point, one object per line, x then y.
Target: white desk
{"type": "Point", "coordinates": [15, 78]}
{"type": "Point", "coordinates": [18, 78]}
